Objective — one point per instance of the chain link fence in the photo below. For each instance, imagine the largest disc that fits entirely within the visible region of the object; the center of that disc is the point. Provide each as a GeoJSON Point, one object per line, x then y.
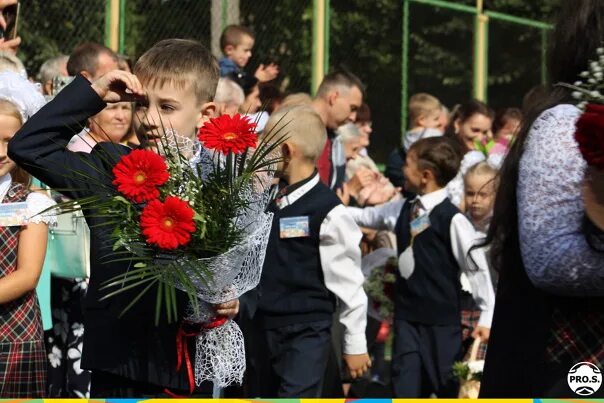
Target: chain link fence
{"type": "Point", "coordinates": [517, 62]}
{"type": "Point", "coordinates": [365, 37]}
{"type": "Point", "coordinates": [282, 30]}
{"type": "Point", "coordinates": [440, 53]}
{"type": "Point", "coordinates": [49, 28]}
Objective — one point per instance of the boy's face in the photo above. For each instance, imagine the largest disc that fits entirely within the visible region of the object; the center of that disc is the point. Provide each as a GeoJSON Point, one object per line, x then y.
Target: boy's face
{"type": "Point", "coordinates": [170, 107]}
{"type": "Point", "coordinates": [413, 175]}
{"type": "Point", "coordinates": [429, 120]}
{"type": "Point", "coordinates": [480, 195]}
{"type": "Point", "coordinates": [242, 52]}
{"type": "Point", "coordinates": [443, 121]}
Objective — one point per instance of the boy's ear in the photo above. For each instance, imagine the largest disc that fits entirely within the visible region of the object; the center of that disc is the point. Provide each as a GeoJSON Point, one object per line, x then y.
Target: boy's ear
{"type": "Point", "coordinates": [286, 152]}
{"type": "Point", "coordinates": [207, 111]}
{"type": "Point", "coordinates": [228, 49]}
{"type": "Point", "coordinates": [86, 75]}
{"type": "Point", "coordinates": [428, 176]}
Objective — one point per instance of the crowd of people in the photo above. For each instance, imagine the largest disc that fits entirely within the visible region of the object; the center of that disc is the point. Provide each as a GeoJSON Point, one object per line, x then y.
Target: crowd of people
{"type": "Point", "coordinates": [472, 204]}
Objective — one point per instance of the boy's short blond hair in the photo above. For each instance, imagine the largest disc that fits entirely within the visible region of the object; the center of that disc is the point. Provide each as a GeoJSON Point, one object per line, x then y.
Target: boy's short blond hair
{"type": "Point", "coordinates": [298, 98]}
{"type": "Point", "coordinates": [303, 128]}
{"type": "Point", "coordinates": [233, 34]}
{"type": "Point", "coordinates": [422, 104]}
{"type": "Point", "coordinates": [181, 62]}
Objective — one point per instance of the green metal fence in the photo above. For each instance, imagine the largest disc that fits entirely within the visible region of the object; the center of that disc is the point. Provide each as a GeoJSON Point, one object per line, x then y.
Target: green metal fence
{"type": "Point", "coordinates": [485, 40]}
{"type": "Point", "coordinates": [453, 49]}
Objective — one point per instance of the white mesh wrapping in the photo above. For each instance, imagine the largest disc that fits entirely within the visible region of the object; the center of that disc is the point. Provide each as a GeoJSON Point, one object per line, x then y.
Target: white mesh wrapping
{"type": "Point", "coordinates": [220, 356]}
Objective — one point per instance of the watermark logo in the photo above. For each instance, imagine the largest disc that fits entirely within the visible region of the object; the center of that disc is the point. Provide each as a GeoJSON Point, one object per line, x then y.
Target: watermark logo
{"type": "Point", "coordinates": [584, 378]}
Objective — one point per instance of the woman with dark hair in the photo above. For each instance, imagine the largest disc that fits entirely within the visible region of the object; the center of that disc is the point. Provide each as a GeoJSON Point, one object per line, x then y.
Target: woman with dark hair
{"type": "Point", "coordinates": [470, 124]}
{"type": "Point", "coordinates": [546, 236]}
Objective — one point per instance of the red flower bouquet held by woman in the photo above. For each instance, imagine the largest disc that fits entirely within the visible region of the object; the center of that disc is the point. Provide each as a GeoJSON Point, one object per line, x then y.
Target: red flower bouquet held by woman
{"type": "Point", "coordinates": [590, 125]}
{"type": "Point", "coordinates": [590, 135]}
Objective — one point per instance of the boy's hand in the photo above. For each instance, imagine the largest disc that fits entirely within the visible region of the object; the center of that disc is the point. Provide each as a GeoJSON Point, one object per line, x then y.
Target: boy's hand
{"type": "Point", "coordinates": [357, 364]}
{"type": "Point", "coordinates": [118, 86]}
{"type": "Point", "coordinates": [267, 73]}
{"type": "Point", "coordinates": [482, 332]}
{"type": "Point", "coordinates": [229, 309]}
{"type": "Point", "coordinates": [11, 45]}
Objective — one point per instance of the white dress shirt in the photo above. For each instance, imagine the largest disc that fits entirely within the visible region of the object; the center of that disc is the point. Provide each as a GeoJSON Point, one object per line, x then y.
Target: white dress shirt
{"type": "Point", "coordinates": [464, 237]}
{"type": "Point", "coordinates": [339, 239]}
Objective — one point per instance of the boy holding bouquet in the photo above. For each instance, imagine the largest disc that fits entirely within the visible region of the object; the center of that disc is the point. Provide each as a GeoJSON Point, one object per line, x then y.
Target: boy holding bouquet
{"type": "Point", "coordinates": [174, 84]}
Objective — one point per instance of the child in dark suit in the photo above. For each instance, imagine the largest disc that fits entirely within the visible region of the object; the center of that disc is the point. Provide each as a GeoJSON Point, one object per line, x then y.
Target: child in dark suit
{"type": "Point", "coordinates": [434, 241]}
{"type": "Point", "coordinates": [312, 260]}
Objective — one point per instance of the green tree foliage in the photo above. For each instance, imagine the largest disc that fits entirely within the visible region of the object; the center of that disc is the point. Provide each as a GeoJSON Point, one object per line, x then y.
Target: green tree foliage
{"type": "Point", "coordinates": [365, 38]}
{"type": "Point", "coordinates": [49, 28]}
{"type": "Point", "coordinates": [148, 21]}
{"type": "Point", "coordinates": [283, 32]}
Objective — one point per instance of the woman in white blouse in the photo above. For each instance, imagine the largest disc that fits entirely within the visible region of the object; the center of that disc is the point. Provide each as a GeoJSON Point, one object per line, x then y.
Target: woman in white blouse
{"type": "Point", "coordinates": [547, 238]}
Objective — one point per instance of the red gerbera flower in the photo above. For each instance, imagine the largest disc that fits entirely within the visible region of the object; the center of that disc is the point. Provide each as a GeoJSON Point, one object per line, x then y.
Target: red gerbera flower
{"type": "Point", "coordinates": [138, 174]}
{"type": "Point", "coordinates": [168, 225]}
{"type": "Point", "coordinates": [590, 135]}
{"type": "Point", "coordinates": [228, 134]}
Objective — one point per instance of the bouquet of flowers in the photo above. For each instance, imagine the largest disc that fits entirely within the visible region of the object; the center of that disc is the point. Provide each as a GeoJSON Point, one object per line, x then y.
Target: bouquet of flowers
{"type": "Point", "coordinates": [190, 215]}
{"type": "Point", "coordinates": [590, 125]}
{"type": "Point", "coordinates": [469, 374]}
{"type": "Point", "coordinates": [379, 287]}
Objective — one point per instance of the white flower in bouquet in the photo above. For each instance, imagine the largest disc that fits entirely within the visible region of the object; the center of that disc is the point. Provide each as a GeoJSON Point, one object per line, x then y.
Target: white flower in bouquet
{"type": "Point", "coordinates": [476, 367]}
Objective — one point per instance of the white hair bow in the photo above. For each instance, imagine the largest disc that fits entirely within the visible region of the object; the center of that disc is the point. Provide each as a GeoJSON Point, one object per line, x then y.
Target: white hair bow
{"type": "Point", "coordinates": [24, 94]}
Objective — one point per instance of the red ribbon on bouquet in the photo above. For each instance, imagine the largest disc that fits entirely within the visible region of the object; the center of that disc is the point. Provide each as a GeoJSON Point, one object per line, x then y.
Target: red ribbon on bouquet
{"type": "Point", "coordinates": [185, 330]}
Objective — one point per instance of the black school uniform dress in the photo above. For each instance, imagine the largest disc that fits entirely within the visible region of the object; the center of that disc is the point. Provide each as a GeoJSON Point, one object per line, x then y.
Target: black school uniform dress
{"type": "Point", "coordinates": [300, 282]}
{"type": "Point", "coordinates": [129, 355]}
